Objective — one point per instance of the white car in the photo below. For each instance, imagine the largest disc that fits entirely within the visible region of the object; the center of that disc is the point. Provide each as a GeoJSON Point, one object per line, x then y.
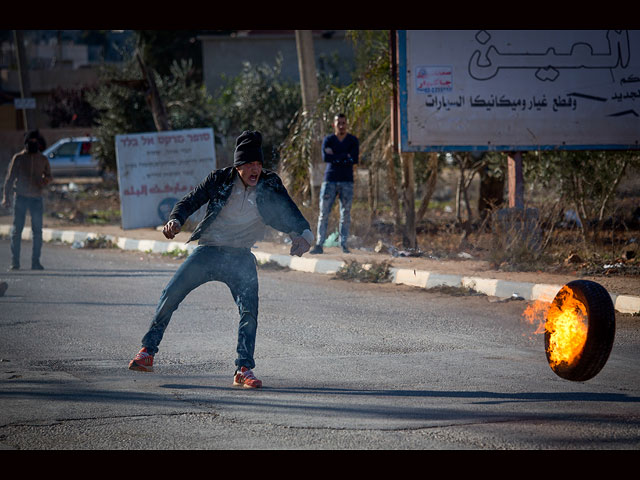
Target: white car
{"type": "Point", "coordinates": [72, 156]}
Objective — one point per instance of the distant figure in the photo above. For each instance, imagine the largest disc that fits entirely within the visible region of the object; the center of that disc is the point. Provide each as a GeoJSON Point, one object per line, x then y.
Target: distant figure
{"type": "Point", "coordinates": [28, 173]}
{"type": "Point", "coordinates": [241, 200]}
{"type": "Point", "coordinates": [340, 151]}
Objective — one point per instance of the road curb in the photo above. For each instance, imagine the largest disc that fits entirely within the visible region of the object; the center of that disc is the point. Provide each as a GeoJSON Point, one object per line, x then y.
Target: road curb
{"type": "Point", "coordinates": [416, 278]}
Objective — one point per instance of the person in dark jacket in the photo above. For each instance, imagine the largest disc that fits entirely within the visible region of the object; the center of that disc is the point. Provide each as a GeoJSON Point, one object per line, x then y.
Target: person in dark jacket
{"type": "Point", "coordinates": [340, 152]}
{"type": "Point", "coordinates": [242, 200]}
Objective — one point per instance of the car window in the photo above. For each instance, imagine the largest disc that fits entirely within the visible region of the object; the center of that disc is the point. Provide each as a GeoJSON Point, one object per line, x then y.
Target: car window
{"type": "Point", "coordinates": [85, 148]}
{"type": "Point", "coordinates": [65, 150]}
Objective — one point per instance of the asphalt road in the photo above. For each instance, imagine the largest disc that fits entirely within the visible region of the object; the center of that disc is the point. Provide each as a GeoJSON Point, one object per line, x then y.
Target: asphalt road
{"type": "Point", "coordinates": [345, 366]}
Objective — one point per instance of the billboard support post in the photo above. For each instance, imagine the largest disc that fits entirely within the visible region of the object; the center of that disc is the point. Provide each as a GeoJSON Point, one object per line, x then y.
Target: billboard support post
{"type": "Point", "coordinates": [516, 180]}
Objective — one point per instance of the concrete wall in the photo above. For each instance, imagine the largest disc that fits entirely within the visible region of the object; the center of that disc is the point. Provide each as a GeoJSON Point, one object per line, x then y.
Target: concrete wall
{"type": "Point", "coordinates": [226, 54]}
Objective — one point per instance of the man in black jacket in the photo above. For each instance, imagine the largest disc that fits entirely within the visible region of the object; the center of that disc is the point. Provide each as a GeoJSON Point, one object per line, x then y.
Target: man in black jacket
{"type": "Point", "coordinates": [242, 200]}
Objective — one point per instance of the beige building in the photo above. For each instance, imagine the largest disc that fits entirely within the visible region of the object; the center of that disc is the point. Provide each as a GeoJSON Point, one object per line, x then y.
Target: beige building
{"type": "Point", "coordinates": [54, 60]}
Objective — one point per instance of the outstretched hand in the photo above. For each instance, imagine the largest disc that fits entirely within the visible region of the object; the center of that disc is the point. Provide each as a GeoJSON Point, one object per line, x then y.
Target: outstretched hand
{"type": "Point", "coordinates": [299, 246]}
{"type": "Point", "coordinates": [171, 229]}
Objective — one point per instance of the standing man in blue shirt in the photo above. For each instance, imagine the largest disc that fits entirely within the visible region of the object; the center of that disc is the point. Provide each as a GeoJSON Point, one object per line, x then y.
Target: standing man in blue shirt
{"type": "Point", "coordinates": [340, 151]}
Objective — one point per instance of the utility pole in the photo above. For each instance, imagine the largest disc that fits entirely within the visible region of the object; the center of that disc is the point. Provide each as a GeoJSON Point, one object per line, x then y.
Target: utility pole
{"type": "Point", "coordinates": [309, 86]}
{"type": "Point", "coordinates": [406, 159]}
{"type": "Point", "coordinates": [25, 83]}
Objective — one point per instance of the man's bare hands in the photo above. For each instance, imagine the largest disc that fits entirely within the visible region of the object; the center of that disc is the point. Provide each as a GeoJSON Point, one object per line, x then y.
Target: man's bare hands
{"type": "Point", "coordinates": [171, 229]}
{"type": "Point", "coordinates": [299, 246]}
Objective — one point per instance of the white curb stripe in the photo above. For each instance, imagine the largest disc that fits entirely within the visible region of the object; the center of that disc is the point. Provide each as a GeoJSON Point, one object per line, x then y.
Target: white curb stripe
{"type": "Point", "coordinates": [416, 278]}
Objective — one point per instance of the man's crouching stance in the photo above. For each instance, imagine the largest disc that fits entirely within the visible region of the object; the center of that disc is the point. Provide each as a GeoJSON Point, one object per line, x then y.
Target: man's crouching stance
{"type": "Point", "coordinates": [242, 200]}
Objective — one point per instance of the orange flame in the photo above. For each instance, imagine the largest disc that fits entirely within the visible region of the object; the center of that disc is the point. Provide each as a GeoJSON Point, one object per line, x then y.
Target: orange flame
{"type": "Point", "coordinates": [535, 314]}
{"type": "Point", "coordinates": [566, 322]}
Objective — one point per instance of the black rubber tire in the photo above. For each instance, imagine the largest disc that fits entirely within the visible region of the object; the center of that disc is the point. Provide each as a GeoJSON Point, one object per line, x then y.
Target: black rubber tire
{"type": "Point", "coordinates": [600, 332]}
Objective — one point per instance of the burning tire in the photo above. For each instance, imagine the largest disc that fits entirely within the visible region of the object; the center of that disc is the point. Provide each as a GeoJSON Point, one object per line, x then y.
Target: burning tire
{"type": "Point", "coordinates": [579, 331]}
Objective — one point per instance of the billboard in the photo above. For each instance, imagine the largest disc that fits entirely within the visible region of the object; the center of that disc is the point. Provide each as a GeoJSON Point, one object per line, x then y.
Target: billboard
{"type": "Point", "coordinates": [521, 90]}
{"type": "Point", "coordinates": [157, 169]}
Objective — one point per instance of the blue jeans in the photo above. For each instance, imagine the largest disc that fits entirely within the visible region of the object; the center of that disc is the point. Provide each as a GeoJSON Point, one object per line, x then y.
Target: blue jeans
{"type": "Point", "coordinates": [236, 267]}
{"type": "Point", "coordinates": [20, 206]}
{"type": "Point", "coordinates": [328, 193]}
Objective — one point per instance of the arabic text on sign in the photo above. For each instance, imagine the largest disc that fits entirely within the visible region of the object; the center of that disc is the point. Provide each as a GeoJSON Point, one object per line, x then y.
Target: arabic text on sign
{"type": "Point", "coordinates": [155, 189]}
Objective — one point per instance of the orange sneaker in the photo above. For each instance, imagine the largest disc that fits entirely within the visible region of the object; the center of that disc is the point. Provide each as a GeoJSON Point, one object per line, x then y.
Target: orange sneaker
{"type": "Point", "coordinates": [246, 378]}
{"type": "Point", "coordinates": [142, 362]}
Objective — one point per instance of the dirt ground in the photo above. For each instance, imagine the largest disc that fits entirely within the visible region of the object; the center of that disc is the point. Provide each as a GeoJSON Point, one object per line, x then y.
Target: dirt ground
{"type": "Point", "coordinates": [89, 205]}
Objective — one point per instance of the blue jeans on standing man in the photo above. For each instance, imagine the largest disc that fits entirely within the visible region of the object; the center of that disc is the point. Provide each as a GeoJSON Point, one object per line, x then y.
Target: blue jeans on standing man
{"type": "Point", "coordinates": [35, 207]}
{"type": "Point", "coordinates": [236, 267]}
{"type": "Point", "coordinates": [328, 193]}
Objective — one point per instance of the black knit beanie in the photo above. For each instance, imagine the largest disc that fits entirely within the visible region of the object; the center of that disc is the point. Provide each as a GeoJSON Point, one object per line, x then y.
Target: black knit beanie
{"type": "Point", "coordinates": [248, 148]}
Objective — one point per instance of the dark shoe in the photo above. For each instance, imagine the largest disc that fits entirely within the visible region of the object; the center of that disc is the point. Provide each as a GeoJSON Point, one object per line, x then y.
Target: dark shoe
{"type": "Point", "coordinates": [316, 250]}
{"type": "Point", "coordinates": [36, 266]}
{"type": "Point", "coordinates": [13, 267]}
{"type": "Point", "coordinates": [345, 249]}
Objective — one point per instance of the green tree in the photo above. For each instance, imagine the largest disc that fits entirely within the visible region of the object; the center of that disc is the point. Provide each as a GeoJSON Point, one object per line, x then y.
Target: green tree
{"type": "Point", "coordinates": [120, 101]}
{"type": "Point", "coordinates": [70, 107]}
{"type": "Point", "coordinates": [257, 99]}
{"type": "Point", "coordinates": [187, 102]}
{"type": "Point", "coordinates": [365, 101]}
{"type": "Point", "coordinates": [123, 108]}
{"type": "Point", "coordinates": [161, 47]}
{"type": "Point", "coordinates": [585, 181]}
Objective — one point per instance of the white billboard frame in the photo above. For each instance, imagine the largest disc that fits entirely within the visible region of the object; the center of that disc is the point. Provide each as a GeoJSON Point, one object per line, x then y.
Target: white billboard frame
{"type": "Point", "coordinates": [156, 169]}
{"type": "Point", "coordinates": [453, 98]}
